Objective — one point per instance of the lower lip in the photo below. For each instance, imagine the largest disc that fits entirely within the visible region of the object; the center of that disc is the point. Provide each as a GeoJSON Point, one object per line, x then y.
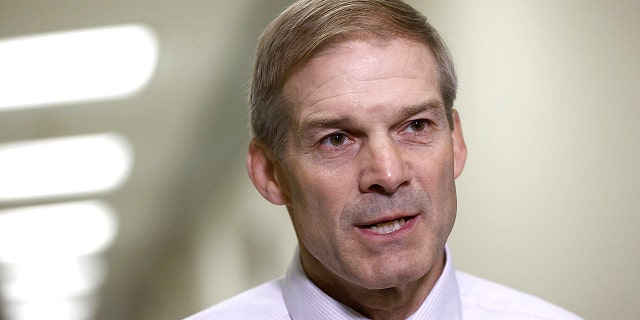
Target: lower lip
{"type": "Point", "coordinates": [405, 229]}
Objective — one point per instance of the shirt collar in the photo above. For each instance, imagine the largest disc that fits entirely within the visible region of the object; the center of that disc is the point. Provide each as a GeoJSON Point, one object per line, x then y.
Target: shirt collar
{"type": "Point", "coordinates": [304, 300]}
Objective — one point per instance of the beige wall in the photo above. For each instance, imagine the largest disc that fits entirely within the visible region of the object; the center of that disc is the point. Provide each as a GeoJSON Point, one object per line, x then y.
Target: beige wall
{"type": "Point", "coordinates": [548, 201]}
{"type": "Point", "coordinates": [549, 104]}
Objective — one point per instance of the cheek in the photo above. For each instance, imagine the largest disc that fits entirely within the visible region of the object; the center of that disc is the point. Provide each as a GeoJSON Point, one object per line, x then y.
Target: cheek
{"type": "Point", "coordinates": [316, 206]}
{"type": "Point", "coordinates": [446, 193]}
{"type": "Point", "coordinates": [436, 177]}
{"type": "Point", "coordinates": [434, 170]}
{"type": "Point", "coordinates": [319, 191]}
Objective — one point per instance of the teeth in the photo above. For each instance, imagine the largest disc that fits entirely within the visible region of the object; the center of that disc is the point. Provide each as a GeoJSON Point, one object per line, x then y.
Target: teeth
{"type": "Point", "coordinates": [388, 227]}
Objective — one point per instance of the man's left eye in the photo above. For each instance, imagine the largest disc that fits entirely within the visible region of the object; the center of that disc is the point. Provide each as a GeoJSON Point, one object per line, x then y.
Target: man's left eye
{"type": "Point", "coordinates": [417, 125]}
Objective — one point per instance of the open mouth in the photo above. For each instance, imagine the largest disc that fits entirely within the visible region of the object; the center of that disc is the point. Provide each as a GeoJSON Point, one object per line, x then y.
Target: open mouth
{"type": "Point", "coordinates": [387, 227]}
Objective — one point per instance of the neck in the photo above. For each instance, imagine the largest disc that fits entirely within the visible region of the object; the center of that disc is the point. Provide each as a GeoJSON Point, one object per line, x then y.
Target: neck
{"type": "Point", "coordinates": [398, 302]}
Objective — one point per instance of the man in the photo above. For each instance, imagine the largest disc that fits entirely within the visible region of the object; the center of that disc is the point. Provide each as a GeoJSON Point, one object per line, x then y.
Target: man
{"type": "Point", "coordinates": [355, 133]}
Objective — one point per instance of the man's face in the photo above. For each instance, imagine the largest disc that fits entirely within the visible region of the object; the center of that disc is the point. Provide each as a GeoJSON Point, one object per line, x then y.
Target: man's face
{"type": "Point", "coordinates": [368, 176]}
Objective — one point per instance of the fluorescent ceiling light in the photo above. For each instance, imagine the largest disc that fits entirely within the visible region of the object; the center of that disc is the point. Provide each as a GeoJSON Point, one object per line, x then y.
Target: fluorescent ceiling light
{"type": "Point", "coordinates": [63, 166]}
{"type": "Point", "coordinates": [58, 278]}
{"type": "Point", "coordinates": [40, 234]}
{"type": "Point", "coordinates": [78, 308]}
{"type": "Point", "coordinates": [87, 64]}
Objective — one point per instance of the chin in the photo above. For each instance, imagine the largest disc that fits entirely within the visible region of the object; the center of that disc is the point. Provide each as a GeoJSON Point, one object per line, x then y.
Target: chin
{"type": "Point", "coordinates": [393, 276]}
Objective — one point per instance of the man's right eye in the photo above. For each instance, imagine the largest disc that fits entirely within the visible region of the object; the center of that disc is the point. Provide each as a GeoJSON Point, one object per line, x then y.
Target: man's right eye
{"type": "Point", "coordinates": [335, 139]}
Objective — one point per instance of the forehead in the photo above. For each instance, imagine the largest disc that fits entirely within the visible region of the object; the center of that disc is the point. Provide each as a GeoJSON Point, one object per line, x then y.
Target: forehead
{"type": "Point", "coordinates": [362, 74]}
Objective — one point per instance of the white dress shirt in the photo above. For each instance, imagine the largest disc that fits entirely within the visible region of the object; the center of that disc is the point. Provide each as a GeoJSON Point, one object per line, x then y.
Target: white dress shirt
{"type": "Point", "coordinates": [456, 295]}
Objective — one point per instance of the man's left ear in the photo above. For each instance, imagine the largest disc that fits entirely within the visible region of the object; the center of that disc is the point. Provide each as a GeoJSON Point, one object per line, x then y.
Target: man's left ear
{"type": "Point", "coordinates": [459, 147]}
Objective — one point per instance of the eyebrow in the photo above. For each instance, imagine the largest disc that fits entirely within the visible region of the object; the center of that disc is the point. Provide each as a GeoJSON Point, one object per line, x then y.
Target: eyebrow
{"type": "Point", "coordinates": [345, 121]}
{"type": "Point", "coordinates": [422, 107]}
{"type": "Point", "coordinates": [337, 122]}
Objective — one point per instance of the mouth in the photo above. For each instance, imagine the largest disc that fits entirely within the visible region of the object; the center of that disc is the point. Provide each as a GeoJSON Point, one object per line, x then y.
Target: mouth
{"type": "Point", "coordinates": [387, 227]}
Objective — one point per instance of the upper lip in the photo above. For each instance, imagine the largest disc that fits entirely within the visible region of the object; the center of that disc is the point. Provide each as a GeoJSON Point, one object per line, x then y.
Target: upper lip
{"type": "Point", "coordinates": [368, 223]}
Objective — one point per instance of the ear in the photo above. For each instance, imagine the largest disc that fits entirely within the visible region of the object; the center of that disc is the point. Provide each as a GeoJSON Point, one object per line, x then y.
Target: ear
{"type": "Point", "coordinates": [459, 147]}
{"type": "Point", "coordinates": [262, 172]}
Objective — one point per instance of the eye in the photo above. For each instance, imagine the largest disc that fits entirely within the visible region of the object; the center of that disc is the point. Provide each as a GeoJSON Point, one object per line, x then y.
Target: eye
{"type": "Point", "coordinates": [417, 125]}
{"type": "Point", "coordinates": [335, 139]}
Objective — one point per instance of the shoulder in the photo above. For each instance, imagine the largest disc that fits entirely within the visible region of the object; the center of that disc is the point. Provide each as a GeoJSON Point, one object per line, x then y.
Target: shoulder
{"type": "Point", "coordinates": [264, 302]}
{"type": "Point", "coordinates": [483, 299]}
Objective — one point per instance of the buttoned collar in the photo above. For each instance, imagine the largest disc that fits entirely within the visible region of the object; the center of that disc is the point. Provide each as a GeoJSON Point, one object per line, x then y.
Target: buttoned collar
{"type": "Point", "coordinates": [306, 301]}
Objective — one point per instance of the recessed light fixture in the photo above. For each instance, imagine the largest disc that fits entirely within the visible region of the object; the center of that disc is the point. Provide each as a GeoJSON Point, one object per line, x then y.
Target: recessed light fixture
{"type": "Point", "coordinates": [40, 234]}
{"type": "Point", "coordinates": [56, 279]}
{"type": "Point", "coordinates": [71, 66]}
{"type": "Point", "coordinates": [63, 166]}
{"type": "Point", "coordinates": [76, 308]}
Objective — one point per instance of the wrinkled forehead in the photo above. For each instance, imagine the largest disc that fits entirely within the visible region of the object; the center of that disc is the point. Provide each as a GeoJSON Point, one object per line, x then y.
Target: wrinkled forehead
{"type": "Point", "coordinates": [340, 42]}
{"type": "Point", "coordinates": [338, 68]}
{"type": "Point", "coordinates": [337, 42]}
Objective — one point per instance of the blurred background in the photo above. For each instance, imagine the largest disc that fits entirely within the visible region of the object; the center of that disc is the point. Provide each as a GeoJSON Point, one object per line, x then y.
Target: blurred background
{"type": "Point", "coordinates": [123, 193]}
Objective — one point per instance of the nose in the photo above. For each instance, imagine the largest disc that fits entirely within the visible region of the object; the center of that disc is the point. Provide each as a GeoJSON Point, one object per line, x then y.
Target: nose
{"type": "Point", "coordinates": [383, 168]}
